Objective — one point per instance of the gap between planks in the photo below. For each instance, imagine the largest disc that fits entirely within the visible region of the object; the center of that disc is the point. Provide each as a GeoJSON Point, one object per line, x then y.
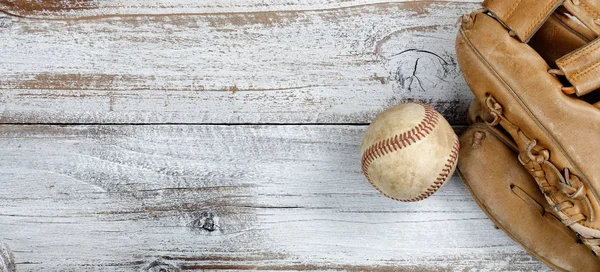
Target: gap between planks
{"type": "Point", "coordinates": [332, 66]}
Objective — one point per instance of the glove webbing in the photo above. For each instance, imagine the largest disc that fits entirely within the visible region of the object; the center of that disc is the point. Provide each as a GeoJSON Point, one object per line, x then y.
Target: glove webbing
{"type": "Point", "coordinates": [535, 159]}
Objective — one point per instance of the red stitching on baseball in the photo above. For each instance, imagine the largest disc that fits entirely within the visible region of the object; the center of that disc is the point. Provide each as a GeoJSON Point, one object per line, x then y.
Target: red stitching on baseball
{"type": "Point", "coordinates": [403, 140]}
{"type": "Point", "coordinates": [427, 125]}
{"type": "Point", "coordinates": [442, 176]}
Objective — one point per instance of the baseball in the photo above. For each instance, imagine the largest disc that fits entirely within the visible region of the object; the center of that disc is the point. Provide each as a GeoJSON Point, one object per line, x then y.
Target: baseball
{"type": "Point", "coordinates": [409, 151]}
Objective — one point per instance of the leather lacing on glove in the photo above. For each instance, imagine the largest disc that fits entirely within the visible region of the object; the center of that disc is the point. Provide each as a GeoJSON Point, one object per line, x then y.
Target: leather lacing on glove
{"type": "Point", "coordinates": [536, 160]}
{"type": "Point", "coordinates": [467, 20]}
{"type": "Point", "coordinates": [565, 89]}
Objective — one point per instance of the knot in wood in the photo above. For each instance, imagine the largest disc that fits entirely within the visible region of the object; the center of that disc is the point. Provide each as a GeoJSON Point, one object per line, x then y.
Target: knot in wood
{"type": "Point", "coordinates": [5, 21]}
{"type": "Point", "coordinates": [207, 221]}
{"type": "Point", "coordinates": [160, 266]}
{"type": "Point", "coordinates": [209, 224]}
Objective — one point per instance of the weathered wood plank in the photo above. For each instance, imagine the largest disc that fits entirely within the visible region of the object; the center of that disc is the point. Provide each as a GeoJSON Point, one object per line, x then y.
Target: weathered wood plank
{"type": "Point", "coordinates": [7, 263]}
{"type": "Point", "coordinates": [50, 9]}
{"type": "Point", "coordinates": [225, 197]}
{"type": "Point", "coordinates": [340, 65]}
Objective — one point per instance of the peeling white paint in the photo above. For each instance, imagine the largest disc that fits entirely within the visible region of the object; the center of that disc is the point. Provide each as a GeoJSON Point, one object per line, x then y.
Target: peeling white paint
{"type": "Point", "coordinates": [322, 66]}
{"type": "Point", "coordinates": [279, 196]}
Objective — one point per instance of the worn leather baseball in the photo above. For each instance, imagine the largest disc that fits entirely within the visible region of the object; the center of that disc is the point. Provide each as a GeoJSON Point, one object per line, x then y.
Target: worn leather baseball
{"type": "Point", "coordinates": [409, 151]}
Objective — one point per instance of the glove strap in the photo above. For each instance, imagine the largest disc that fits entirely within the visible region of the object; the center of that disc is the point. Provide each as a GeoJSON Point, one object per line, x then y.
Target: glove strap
{"type": "Point", "coordinates": [587, 12]}
{"type": "Point", "coordinates": [522, 17]}
{"type": "Point", "coordinates": [582, 68]}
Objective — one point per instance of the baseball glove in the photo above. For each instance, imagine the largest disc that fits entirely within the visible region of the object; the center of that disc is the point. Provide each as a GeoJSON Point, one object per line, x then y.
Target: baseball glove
{"type": "Point", "coordinates": [534, 67]}
{"type": "Point", "coordinates": [511, 199]}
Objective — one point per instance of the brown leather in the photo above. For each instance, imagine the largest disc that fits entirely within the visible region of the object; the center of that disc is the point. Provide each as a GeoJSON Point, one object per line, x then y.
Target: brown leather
{"type": "Point", "coordinates": [555, 133]}
{"type": "Point", "coordinates": [582, 68]}
{"type": "Point", "coordinates": [522, 17]}
{"type": "Point", "coordinates": [511, 199]}
{"type": "Point", "coordinates": [555, 29]}
{"type": "Point", "coordinates": [566, 17]}
{"type": "Point", "coordinates": [587, 11]}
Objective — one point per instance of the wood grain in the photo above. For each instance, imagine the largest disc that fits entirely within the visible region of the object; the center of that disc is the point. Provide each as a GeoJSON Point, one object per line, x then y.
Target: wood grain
{"type": "Point", "coordinates": [306, 62]}
{"type": "Point", "coordinates": [7, 263]}
{"type": "Point", "coordinates": [125, 198]}
{"type": "Point", "coordinates": [224, 135]}
{"type": "Point", "coordinates": [76, 9]}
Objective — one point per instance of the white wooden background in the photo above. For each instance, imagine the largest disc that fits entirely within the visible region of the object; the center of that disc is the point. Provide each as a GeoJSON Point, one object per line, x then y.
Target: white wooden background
{"type": "Point", "coordinates": [182, 135]}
